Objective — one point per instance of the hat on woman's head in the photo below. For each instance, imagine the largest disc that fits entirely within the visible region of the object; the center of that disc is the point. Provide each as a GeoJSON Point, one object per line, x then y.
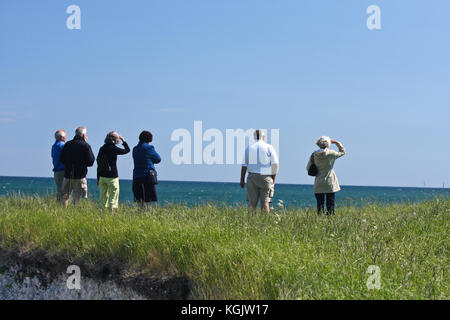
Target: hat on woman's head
{"type": "Point", "coordinates": [112, 137]}
{"type": "Point", "coordinates": [323, 142]}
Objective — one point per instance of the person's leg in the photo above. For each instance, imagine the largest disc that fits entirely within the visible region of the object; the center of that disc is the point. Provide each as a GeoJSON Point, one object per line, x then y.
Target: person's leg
{"type": "Point", "coordinates": [265, 206]}
{"type": "Point", "coordinates": [154, 194]}
{"type": "Point", "coordinates": [263, 199]}
{"type": "Point", "coordinates": [320, 197]}
{"type": "Point", "coordinates": [252, 192]}
{"type": "Point", "coordinates": [266, 186]}
{"type": "Point", "coordinates": [59, 179]}
{"type": "Point", "coordinates": [330, 204]}
{"type": "Point", "coordinates": [103, 188]}
{"type": "Point", "coordinates": [138, 192]}
{"type": "Point", "coordinates": [114, 190]}
{"type": "Point", "coordinates": [253, 204]}
{"type": "Point", "coordinates": [84, 188]}
{"type": "Point", "coordinates": [109, 188]}
{"type": "Point", "coordinates": [79, 190]}
{"type": "Point", "coordinates": [150, 195]}
{"type": "Point", "coordinates": [67, 190]}
{"type": "Point", "coordinates": [76, 184]}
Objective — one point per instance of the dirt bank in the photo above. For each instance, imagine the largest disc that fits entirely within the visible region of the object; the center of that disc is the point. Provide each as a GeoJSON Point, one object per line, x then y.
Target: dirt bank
{"type": "Point", "coordinates": [43, 271]}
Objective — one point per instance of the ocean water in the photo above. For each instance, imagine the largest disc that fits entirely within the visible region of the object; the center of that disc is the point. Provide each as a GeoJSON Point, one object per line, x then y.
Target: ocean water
{"type": "Point", "coordinates": [192, 193]}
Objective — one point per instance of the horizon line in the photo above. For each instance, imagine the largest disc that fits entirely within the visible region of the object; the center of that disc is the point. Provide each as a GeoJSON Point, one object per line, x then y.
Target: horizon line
{"type": "Point", "coordinates": [292, 184]}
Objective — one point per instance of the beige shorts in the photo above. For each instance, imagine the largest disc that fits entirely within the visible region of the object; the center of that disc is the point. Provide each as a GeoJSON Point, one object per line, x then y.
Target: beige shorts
{"type": "Point", "coordinates": [259, 187]}
{"type": "Point", "coordinates": [77, 186]}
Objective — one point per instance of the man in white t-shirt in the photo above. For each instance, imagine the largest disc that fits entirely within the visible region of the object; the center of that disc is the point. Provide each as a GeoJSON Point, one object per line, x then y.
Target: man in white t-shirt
{"type": "Point", "coordinates": [261, 162]}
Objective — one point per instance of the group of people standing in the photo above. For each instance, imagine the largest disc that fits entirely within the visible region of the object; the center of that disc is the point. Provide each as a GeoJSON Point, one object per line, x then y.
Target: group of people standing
{"type": "Point", "coordinates": [71, 160]}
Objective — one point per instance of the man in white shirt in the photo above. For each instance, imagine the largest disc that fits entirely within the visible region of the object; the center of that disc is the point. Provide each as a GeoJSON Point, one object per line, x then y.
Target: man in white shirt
{"type": "Point", "coordinates": [261, 162]}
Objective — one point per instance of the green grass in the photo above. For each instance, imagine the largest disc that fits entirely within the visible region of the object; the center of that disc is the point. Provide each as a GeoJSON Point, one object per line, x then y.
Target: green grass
{"type": "Point", "coordinates": [230, 253]}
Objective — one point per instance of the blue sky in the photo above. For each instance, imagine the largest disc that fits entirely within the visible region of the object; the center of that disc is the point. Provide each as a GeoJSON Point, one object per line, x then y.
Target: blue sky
{"type": "Point", "coordinates": [307, 68]}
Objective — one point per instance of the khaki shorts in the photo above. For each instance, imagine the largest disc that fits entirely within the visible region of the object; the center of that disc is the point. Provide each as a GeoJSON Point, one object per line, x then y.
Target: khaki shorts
{"type": "Point", "coordinates": [259, 187]}
{"type": "Point", "coordinates": [77, 186]}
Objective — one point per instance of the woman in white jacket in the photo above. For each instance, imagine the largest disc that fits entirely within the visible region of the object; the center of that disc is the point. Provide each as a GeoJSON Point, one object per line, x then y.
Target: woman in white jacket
{"type": "Point", "coordinates": [326, 182]}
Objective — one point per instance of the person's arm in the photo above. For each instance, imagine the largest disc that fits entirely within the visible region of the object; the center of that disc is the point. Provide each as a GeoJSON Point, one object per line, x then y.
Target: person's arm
{"type": "Point", "coordinates": [120, 151]}
{"type": "Point", "coordinates": [98, 171]}
{"type": "Point", "coordinates": [125, 149]}
{"type": "Point", "coordinates": [62, 155]}
{"type": "Point", "coordinates": [243, 172]}
{"type": "Point", "coordinates": [309, 162]}
{"type": "Point", "coordinates": [156, 158]}
{"type": "Point", "coordinates": [274, 163]}
{"type": "Point", "coordinates": [341, 148]}
{"type": "Point", "coordinates": [244, 167]}
{"type": "Point", "coordinates": [54, 156]}
{"type": "Point", "coordinates": [90, 158]}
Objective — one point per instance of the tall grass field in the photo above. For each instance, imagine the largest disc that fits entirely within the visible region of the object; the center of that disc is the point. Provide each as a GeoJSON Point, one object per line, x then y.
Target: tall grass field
{"type": "Point", "coordinates": [233, 253]}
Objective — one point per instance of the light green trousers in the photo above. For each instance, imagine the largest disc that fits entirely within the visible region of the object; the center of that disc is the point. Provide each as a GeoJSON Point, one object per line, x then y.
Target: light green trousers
{"type": "Point", "coordinates": [109, 192]}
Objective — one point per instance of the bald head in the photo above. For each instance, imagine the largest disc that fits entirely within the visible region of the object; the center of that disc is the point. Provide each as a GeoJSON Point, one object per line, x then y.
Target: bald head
{"type": "Point", "coordinates": [60, 135]}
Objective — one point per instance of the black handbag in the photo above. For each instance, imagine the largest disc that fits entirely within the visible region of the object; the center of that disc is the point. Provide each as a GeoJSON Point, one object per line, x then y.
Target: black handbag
{"type": "Point", "coordinates": [312, 171]}
{"type": "Point", "coordinates": [153, 176]}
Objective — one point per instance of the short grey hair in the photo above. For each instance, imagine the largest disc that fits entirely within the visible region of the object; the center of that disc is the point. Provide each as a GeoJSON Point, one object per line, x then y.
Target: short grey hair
{"type": "Point", "coordinates": [323, 142]}
{"type": "Point", "coordinates": [59, 134]}
{"type": "Point", "coordinates": [80, 131]}
{"type": "Point", "coordinates": [259, 134]}
{"type": "Point", "coordinates": [112, 137]}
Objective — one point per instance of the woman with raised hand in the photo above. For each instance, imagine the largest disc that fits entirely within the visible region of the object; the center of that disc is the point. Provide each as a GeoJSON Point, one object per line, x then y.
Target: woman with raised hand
{"type": "Point", "coordinates": [107, 174]}
{"type": "Point", "coordinates": [326, 183]}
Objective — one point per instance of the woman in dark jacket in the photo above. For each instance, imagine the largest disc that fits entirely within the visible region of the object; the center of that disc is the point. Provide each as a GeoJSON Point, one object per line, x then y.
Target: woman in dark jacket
{"type": "Point", "coordinates": [144, 174]}
{"type": "Point", "coordinates": [107, 175]}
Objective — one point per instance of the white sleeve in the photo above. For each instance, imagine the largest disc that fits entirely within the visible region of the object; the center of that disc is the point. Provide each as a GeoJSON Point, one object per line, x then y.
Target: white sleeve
{"type": "Point", "coordinates": [341, 152]}
{"type": "Point", "coordinates": [274, 160]}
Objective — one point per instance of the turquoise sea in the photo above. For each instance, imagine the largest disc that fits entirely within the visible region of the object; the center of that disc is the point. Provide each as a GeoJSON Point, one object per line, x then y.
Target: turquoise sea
{"type": "Point", "coordinates": [192, 193]}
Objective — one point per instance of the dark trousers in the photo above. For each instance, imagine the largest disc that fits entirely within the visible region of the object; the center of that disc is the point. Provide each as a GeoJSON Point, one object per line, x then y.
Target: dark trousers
{"type": "Point", "coordinates": [144, 190]}
{"type": "Point", "coordinates": [320, 197]}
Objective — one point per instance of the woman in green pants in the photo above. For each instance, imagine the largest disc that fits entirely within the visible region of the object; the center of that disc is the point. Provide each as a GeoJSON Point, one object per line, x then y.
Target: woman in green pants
{"type": "Point", "coordinates": [107, 175]}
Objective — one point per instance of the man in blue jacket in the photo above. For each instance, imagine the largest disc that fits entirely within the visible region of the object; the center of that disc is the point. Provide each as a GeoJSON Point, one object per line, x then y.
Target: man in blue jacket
{"type": "Point", "coordinates": [77, 156]}
{"type": "Point", "coordinates": [58, 167]}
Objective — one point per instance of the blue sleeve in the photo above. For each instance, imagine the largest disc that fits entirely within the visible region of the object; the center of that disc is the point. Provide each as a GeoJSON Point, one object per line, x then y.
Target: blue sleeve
{"type": "Point", "coordinates": [56, 155]}
{"type": "Point", "coordinates": [54, 158]}
{"type": "Point", "coordinates": [156, 158]}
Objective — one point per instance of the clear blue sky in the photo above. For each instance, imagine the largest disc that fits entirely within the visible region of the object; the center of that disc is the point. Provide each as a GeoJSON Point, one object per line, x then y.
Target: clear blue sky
{"type": "Point", "coordinates": [307, 68]}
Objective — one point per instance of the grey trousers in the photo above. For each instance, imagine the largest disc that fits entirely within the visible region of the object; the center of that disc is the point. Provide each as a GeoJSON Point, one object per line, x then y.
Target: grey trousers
{"type": "Point", "coordinates": [59, 178]}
